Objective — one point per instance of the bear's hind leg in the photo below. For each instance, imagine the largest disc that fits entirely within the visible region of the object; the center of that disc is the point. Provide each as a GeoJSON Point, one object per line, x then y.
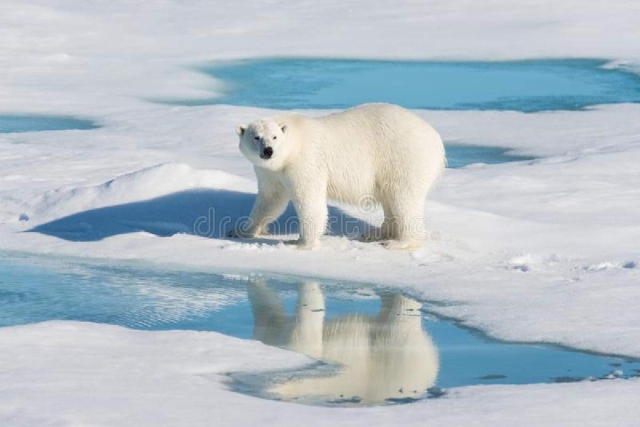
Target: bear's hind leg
{"type": "Point", "coordinates": [407, 225]}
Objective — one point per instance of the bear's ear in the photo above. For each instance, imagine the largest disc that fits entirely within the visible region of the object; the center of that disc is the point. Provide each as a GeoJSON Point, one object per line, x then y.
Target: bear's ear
{"type": "Point", "coordinates": [240, 129]}
{"type": "Point", "coordinates": [283, 128]}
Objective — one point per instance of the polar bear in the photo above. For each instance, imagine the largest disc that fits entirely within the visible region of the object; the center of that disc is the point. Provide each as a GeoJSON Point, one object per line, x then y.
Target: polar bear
{"type": "Point", "coordinates": [387, 356]}
{"type": "Point", "coordinates": [372, 152]}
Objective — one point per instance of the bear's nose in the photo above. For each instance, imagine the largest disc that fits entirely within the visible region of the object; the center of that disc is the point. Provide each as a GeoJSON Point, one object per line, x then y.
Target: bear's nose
{"type": "Point", "coordinates": [267, 153]}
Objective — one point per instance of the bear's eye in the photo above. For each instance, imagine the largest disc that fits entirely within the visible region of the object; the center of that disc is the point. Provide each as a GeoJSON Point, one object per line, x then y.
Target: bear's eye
{"type": "Point", "coordinates": [275, 137]}
{"type": "Point", "coordinates": [256, 138]}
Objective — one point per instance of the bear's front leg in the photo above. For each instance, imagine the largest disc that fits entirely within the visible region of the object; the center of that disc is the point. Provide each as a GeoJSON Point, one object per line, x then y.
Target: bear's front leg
{"type": "Point", "coordinates": [270, 204]}
{"type": "Point", "coordinates": [310, 201]}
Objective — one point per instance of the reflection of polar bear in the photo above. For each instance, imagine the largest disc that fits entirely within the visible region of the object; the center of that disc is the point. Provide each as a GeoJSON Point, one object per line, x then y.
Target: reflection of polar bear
{"type": "Point", "coordinates": [372, 153]}
{"type": "Point", "coordinates": [383, 357]}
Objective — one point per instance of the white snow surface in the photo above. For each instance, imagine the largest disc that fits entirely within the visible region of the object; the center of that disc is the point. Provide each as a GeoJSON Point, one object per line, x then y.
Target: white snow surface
{"type": "Point", "coordinates": [546, 250]}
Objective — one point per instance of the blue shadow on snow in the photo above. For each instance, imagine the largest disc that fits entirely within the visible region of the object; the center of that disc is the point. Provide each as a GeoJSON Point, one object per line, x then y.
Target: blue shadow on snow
{"type": "Point", "coordinates": [206, 213]}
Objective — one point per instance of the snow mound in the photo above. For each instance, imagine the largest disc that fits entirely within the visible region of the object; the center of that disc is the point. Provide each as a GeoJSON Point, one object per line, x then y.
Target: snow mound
{"type": "Point", "coordinates": [149, 183]}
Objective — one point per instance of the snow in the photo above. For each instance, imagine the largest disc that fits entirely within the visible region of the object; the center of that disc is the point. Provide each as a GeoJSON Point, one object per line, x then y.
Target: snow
{"type": "Point", "coordinates": [538, 251]}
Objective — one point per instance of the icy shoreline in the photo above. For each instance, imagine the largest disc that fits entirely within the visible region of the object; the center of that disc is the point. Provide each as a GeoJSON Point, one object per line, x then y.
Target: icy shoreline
{"type": "Point", "coordinates": [131, 378]}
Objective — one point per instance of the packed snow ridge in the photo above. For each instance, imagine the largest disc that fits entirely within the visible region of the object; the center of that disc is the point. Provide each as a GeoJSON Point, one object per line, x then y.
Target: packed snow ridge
{"type": "Point", "coordinates": [154, 181]}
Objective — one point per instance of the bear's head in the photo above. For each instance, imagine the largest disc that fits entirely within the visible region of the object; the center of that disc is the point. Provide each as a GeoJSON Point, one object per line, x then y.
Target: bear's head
{"type": "Point", "coordinates": [264, 143]}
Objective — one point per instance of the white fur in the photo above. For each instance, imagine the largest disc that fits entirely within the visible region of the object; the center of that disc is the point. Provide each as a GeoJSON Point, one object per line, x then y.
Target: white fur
{"type": "Point", "coordinates": [373, 152]}
{"type": "Point", "coordinates": [381, 357]}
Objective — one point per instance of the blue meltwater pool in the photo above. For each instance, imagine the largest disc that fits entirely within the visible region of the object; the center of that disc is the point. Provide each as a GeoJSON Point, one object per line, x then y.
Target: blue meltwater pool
{"type": "Point", "coordinates": [325, 83]}
{"type": "Point", "coordinates": [373, 345]}
{"type": "Point", "coordinates": [12, 123]}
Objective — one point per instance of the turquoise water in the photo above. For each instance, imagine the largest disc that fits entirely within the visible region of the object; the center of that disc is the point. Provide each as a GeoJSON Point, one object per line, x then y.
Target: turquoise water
{"type": "Point", "coordinates": [459, 156]}
{"type": "Point", "coordinates": [316, 83]}
{"type": "Point", "coordinates": [10, 123]}
{"type": "Point", "coordinates": [38, 289]}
